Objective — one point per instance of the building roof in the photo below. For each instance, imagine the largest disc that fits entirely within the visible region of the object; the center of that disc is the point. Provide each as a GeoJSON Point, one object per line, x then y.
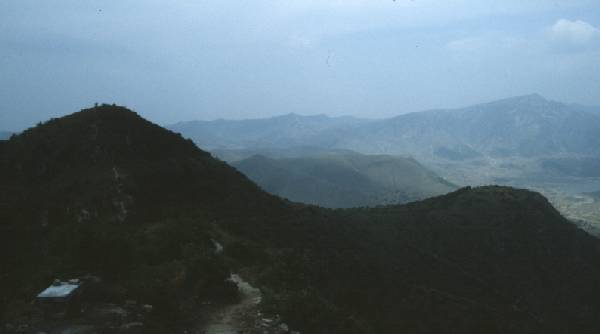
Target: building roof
{"type": "Point", "coordinates": [61, 290]}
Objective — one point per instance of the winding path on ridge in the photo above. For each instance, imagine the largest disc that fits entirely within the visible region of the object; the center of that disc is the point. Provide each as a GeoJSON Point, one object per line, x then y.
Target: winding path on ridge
{"type": "Point", "coordinates": [236, 318]}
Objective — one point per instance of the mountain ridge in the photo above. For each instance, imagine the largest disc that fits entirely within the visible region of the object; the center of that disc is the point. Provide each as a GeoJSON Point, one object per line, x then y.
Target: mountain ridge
{"type": "Point", "coordinates": [488, 259]}
{"type": "Point", "coordinates": [522, 126]}
{"type": "Point", "coordinates": [107, 145]}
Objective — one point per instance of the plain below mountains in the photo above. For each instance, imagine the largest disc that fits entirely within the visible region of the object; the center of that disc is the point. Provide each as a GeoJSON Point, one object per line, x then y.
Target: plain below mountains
{"type": "Point", "coordinates": [342, 180]}
{"type": "Point", "coordinates": [107, 193]}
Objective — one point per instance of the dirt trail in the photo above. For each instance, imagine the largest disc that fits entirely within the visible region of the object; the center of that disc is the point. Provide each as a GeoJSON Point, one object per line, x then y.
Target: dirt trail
{"type": "Point", "coordinates": [236, 318]}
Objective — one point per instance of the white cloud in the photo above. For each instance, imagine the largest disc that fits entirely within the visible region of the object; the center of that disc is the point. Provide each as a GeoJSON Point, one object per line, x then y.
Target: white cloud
{"type": "Point", "coordinates": [574, 33]}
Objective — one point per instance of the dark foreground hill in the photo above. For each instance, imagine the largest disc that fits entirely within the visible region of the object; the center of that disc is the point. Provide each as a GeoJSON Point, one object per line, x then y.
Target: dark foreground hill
{"type": "Point", "coordinates": [104, 192]}
{"type": "Point", "coordinates": [344, 180]}
{"type": "Point", "coordinates": [107, 193]}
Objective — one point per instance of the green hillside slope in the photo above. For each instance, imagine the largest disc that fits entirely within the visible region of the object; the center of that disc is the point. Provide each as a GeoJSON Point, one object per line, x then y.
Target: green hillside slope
{"type": "Point", "coordinates": [342, 180]}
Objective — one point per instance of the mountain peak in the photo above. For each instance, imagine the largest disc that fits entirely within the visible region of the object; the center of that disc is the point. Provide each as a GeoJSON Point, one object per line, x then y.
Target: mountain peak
{"type": "Point", "coordinates": [108, 154]}
{"type": "Point", "coordinates": [101, 134]}
{"type": "Point", "coordinates": [104, 114]}
{"type": "Point", "coordinates": [535, 97]}
{"type": "Point", "coordinates": [523, 103]}
{"type": "Point", "coordinates": [105, 109]}
{"type": "Point", "coordinates": [293, 115]}
{"type": "Point", "coordinates": [530, 99]}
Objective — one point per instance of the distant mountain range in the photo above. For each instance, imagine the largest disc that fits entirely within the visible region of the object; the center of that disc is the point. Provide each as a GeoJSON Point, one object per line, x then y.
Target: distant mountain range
{"type": "Point", "coordinates": [524, 126]}
{"type": "Point", "coordinates": [285, 131]}
{"type": "Point", "coordinates": [517, 127]}
{"type": "Point", "coordinates": [342, 180]}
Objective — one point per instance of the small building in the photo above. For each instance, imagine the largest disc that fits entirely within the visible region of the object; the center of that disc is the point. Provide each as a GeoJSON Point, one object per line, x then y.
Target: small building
{"type": "Point", "coordinates": [61, 298]}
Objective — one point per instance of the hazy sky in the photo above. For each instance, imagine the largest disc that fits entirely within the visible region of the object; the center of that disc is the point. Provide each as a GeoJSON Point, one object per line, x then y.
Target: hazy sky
{"type": "Point", "coordinates": [181, 60]}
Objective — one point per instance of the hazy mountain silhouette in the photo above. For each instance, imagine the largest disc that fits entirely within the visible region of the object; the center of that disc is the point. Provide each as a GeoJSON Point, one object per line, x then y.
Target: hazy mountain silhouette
{"type": "Point", "coordinates": [524, 126]}
{"type": "Point", "coordinates": [285, 131]}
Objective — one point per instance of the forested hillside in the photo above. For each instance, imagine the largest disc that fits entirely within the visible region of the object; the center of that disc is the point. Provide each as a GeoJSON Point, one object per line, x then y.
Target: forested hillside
{"type": "Point", "coordinates": [107, 193]}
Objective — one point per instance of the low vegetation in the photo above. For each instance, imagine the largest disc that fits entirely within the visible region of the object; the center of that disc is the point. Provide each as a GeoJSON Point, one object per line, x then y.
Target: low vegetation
{"type": "Point", "coordinates": [105, 192]}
